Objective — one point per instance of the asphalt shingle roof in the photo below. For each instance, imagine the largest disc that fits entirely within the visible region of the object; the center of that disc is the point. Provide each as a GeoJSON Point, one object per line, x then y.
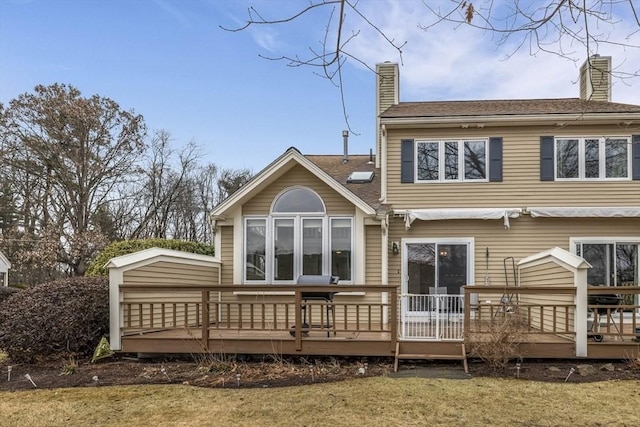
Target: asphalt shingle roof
{"type": "Point", "coordinates": [332, 164]}
{"type": "Point", "coordinates": [505, 107]}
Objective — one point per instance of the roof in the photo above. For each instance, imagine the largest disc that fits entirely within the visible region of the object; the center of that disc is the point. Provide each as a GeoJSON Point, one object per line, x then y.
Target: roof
{"type": "Point", "coordinates": [513, 107]}
{"type": "Point", "coordinates": [559, 255]}
{"type": "Point", "coordinates": [333, 165]}
{"type": "Point", "coordinates": [150, 255]}
{"type": "Point", "coordinates": [329, 169]}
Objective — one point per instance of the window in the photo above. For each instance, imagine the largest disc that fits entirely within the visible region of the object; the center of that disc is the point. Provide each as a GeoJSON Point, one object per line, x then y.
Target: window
{"type": "Point", "coordinates": [592, 158]}
{"type": "Point", "coordinates": [297, 238]}
{"type": "Point", "coordinates": [613, 263]}
{"type": "Point", "coordinates": [451, 160]}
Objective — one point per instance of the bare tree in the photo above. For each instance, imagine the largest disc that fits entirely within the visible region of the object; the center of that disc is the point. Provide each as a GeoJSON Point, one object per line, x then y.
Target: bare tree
{"type": "Point", "coordinates": [66, 154]}
{"type": "Point", "coordinates": [573, 29]}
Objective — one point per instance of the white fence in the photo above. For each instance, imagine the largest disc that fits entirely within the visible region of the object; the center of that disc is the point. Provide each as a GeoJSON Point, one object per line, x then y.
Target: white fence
{"type": "Point", "coordinates": [432, 317]}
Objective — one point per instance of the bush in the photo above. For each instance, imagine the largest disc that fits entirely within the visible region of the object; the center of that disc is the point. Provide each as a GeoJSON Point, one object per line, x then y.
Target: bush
{"type": "Point", "coordinates": [97, 267]}
{"type": "Point", "coordinates": [6, 292]}
{"type": "Point", "coordinates": [499, 342]}
{"type": "Point", "coordinates": [61, 318]}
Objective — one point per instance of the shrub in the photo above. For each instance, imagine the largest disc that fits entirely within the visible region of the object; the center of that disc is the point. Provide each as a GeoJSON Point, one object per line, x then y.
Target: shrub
{"type": "Point", "coordinates": [6, 292]}
{"type": "Point", "coordinates": [499, 342]}
{"type": "Point", "coordinates": [97, 267]}
{"type": "Point", "coordinates": [61, 318]}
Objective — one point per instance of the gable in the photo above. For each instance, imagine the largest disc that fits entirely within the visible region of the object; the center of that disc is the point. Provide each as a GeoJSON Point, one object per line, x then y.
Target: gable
{"type": "Point", "coordinates": [279, 168]}
{"type": "Point", "coordinates": [335, 203]}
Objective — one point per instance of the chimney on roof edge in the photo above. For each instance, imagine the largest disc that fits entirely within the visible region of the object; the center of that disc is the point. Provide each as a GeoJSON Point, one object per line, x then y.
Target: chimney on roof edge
{"type": "Point", "coordinates": [595, 79]}
{"type": "Point", "coordinates": [387, 94]}
{"type": "Point", "coordinates": [345, 138]}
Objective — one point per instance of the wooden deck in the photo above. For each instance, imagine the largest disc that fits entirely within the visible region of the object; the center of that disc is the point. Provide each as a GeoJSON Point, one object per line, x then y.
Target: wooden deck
{"type": "Point", "coordinates": [263, 324]}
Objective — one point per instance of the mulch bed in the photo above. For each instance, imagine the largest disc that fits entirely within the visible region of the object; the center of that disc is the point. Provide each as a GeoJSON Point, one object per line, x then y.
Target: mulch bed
{"type": "Point", "coordinates": [252, 372]}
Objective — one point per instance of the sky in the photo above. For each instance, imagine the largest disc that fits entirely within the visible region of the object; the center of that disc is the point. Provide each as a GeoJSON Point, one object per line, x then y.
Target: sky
{"type": "Point", "coordinates": [171, 61]}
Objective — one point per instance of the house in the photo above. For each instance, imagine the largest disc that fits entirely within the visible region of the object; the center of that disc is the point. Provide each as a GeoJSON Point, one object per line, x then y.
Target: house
{"type": "Point", "coordinates": [5, 265]}
{"type": "Point", "coordinates": [469, 210]}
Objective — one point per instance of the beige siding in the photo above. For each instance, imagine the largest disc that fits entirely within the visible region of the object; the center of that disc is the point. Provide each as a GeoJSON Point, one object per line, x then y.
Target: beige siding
{"type": "Point", "coordinates": [171, 273]}
{"type": "Point", "coordinates": [146, 308]}
{"type": "Point", "coordinates": [521, 184]}
{"type": "Point", "coordinates": [226, 254]}
{"type": "Point", "coordinates": [527, 236]}
{"type": "Point", "coordinates": [298, 175]}
{"type": "Point", "coordinates": [373, 262]}
{"type": "Point", "coordinates": [538, 308]}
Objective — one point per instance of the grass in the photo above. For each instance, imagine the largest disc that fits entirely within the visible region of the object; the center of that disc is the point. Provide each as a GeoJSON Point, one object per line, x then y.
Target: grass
{"type": "Point", "coordinates": [370, 401]}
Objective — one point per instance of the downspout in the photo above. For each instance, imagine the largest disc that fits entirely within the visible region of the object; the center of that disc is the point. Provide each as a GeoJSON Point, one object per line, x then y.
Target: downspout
{"type": "Point", "coordinates": [383, 164]}
{"type": "Point", "coordinates": [384, 269]}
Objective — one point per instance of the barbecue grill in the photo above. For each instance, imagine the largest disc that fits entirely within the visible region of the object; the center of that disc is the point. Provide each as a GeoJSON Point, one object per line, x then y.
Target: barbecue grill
{"type": "Point", "coordinates": [316, 280]}
{"type": "Point", "coordinates": [608, 300]}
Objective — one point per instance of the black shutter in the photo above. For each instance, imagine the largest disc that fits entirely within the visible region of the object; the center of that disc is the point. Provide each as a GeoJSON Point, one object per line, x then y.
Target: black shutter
{"type": "Point", "coordinates": [546, 158]}
{"type": "Point", "coordinates": [495, 159]}
{"type": "Point", "coordinates": [406, 160]}
{"type": "Point", "coordinates": [635, 157]}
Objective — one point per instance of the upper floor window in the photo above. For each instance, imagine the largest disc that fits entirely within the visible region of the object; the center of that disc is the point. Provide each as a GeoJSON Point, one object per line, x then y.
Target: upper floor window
{"type": "Point", "coordinates": [451, 160]}
{"type": "Point", "coordinates": [592, 158]}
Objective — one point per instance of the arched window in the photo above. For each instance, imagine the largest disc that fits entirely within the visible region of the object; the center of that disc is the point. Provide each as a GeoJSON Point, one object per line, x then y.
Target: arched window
{"type": "Point", "coordinates": [298, 200]}
{"type": "Point", "coordinates": [297, 238]}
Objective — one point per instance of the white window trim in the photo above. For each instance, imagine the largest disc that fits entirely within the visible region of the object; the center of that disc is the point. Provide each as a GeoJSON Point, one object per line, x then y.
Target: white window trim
{"type": "Point", "coordinates": [469, 241]}
{"type": "Point", "coordinates": [270, 242]}
{"type": "Point", "coordinates": [441, 160]}
{"type": "Point", "coordinates": [601, 158]}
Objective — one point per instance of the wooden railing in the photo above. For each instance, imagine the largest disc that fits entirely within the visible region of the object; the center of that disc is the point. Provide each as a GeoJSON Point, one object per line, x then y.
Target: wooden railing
{"type": "Point", "coordinates": [548, 311]}
{"type": "Point", "coordinates": [615, 322]}
{"type": "Point", "coordinates": [255, 308]}
{"type": "Point", "coordinates": [526, 310]}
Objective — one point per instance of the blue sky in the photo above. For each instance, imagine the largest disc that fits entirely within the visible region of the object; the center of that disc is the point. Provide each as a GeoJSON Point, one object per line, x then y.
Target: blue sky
{"type": "Point", "coordinates": [170, 61]}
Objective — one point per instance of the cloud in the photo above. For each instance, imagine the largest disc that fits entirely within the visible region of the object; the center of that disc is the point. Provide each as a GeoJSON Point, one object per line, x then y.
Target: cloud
{"type": "Point", "coordinates": [460, 62]}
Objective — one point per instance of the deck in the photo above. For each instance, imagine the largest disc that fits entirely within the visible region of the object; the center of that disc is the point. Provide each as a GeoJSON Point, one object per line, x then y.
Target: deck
{"type": "Point", "coordinates": [270, 320]}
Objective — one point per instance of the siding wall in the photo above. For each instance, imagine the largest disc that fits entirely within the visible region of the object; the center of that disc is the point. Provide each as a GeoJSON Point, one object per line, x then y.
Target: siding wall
{"type": "Point", "coordinates": [174, 305]}
{"type": "Point", "coordinates": [373, 267]}
{"type": "Point", "coordinates": [298, 175]}
{"type": "Point", "coordinates": [521, 184]}
{"type": "Point", "coordinates": [526, 236]}
{"type": "Point", "coordinates": [548, 274]}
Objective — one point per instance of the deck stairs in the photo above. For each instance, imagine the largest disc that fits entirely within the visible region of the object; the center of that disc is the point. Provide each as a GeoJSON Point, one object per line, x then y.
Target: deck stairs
{"type": "Point", "coordinates": [436, 351]}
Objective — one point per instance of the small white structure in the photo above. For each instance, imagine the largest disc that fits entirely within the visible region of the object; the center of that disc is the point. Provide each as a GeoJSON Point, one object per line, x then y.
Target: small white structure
{"type": "Point", "coordinates": [558, 267]}
{"type": "Point", "coordinates": [5, 265]}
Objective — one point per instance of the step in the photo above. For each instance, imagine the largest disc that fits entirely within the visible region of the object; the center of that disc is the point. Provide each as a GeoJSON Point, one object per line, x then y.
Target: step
{"type": "Point", "coordinates": [432, 356]}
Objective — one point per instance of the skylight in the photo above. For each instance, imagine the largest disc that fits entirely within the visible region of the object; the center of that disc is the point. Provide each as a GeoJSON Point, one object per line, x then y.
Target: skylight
{"type": "Point", "coordinates": [360, 177]}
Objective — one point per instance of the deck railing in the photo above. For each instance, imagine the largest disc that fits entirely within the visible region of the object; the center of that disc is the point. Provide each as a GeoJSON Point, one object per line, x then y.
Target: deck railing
{"type": "Point", "coordinates": [549, 311]}
{"type": "Point", "coordinates": [258, 308]}
{"type": "Point", "coordinates": [432, 317]}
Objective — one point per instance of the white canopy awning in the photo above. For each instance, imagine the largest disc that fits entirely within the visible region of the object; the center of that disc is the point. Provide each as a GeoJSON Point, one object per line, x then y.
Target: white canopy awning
{"type": "Point", "coordinates": [411, 215]}
{"type": "Point", "coordinates": [585, 212]}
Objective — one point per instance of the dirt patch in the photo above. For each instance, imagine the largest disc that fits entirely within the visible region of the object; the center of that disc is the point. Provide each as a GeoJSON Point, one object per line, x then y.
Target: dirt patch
{"type": "Point", "coordinates": [253, 372]}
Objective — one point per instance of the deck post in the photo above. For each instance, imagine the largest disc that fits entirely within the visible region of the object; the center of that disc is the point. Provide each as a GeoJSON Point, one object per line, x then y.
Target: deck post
{"type": "Point", "coordinates": [298, 327]}
{"type": "Point", "coordinates": [205, 320]}
{"type": "Point", "coordinates": [581, 314]}
{"type": "Point", "coordinates": [467, 310]}
{"type": "Point", "coordinates": [394, 317]}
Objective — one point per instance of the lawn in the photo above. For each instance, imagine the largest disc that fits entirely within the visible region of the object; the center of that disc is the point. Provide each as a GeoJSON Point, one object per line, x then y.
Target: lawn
{"type": "Point", "coordinates": [379, 401]}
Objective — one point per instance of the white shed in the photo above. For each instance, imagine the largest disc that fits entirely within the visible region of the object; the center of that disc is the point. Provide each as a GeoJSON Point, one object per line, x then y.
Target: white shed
{"type": "Point", "coordinates": [5, 265]}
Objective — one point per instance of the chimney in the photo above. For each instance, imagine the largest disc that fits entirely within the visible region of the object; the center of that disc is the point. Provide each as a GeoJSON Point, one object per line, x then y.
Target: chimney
{"type": "Point", "coordinates": [345, 139]}
{"type": "Point", "coordinates": [595, 79]}
{"type": "Point", "coordinates": [387, 94]}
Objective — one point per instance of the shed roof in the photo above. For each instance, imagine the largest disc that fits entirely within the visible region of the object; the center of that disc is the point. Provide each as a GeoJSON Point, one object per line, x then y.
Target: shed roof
{"type": "Point", "coordinates": [563, 256]}
{"type": "Point", "coordinates": [154, 254]}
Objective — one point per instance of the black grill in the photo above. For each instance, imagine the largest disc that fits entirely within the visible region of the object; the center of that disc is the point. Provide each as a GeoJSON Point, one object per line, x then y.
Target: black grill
{"type": "Point", "coordinates": [316, 280]}
{"type": "Point", "coordinates": [607, 299]}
